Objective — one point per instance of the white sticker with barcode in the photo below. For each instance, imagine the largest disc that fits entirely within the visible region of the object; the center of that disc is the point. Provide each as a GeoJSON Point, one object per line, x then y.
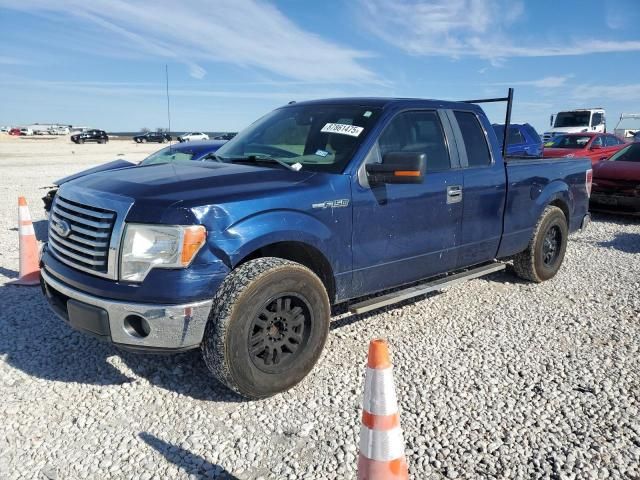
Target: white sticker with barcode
{"type": "Point", "coordinates": [343, 129]}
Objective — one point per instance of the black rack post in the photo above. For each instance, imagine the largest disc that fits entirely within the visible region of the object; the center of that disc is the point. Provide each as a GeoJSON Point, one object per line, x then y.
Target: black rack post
{"type": "Point", "coordinates": [507, 120]}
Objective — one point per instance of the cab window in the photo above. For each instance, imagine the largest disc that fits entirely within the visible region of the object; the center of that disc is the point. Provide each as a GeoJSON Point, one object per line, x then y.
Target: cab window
{"type": "Point", "coordinates": [475, 141]}
{"type": "Point", "coordinates": [418, 131]}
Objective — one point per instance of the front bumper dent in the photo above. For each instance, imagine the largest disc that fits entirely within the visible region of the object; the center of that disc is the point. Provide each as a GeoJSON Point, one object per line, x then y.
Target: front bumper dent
{"type": "Point", "coordinates": [165, 328]}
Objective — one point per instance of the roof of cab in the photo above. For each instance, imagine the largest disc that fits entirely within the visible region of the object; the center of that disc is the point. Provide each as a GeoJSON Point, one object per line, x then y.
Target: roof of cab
{"type": "Point", "coordinates": [389, 103]}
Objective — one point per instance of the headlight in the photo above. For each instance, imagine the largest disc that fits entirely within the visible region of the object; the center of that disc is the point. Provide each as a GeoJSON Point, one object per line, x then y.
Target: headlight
{"type": "Point", "coordinates": [158, 246]}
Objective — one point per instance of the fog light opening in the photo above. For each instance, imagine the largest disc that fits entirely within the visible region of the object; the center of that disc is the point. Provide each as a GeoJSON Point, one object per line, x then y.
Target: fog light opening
{"type": "Point", "coordinates": [136, 326]}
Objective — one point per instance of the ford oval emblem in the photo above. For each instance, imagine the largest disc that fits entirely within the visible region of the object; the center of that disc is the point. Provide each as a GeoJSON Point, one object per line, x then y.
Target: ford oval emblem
{"type": "Point", "coordinates": [62, 228]}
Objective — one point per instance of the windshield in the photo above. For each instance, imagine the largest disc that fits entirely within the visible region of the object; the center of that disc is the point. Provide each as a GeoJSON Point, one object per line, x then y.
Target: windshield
{"type": "Point", "coordinates": [572, 119]}
{"type": "Point", "coordinates": [570, 141]}
{"type": "Point", "coordinates": [169, 155]}
{"type": "Point", "coordinates": [318, 137]}
{"type": "Point", "coordinates": [628, 154]}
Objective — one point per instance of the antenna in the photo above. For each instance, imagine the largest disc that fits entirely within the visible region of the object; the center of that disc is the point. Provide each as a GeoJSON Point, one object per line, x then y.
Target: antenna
{"type": "Point", "coordinates": [166, 72]}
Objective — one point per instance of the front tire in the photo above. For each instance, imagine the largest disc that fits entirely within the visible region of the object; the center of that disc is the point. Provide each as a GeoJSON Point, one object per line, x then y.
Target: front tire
{"type": "Point", "coordinates": [267, 328]}
{"type": "Point", "coordinates": [544, 254]}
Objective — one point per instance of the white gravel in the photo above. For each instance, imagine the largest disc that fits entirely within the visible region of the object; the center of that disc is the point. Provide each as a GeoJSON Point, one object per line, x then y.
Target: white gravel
{"type": "Point", "coordinates": [496, 378]}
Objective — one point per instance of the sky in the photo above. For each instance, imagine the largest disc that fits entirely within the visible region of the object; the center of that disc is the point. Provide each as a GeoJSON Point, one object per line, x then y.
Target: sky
{"type": "Point", "coordinates": [101, 63]}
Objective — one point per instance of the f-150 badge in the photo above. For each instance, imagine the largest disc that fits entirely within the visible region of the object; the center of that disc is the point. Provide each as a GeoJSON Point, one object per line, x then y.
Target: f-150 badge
{"type": "Point", "coordinates": [332, 204]}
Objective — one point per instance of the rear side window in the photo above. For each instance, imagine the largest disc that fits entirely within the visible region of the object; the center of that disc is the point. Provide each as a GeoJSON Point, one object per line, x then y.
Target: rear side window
{"type": "Point", "coordinates": [515, 137]}
{"type": "Point", "coordinates": [611, 141]}
{"type": "Point", "coordinates": [417, 132]}
{"type": "Point", "coordinates": [475, 142]}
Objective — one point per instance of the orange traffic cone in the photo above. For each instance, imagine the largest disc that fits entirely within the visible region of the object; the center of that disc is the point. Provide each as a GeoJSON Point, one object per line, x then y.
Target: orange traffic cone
{"type": "Point", "coordinates": [29, 261]}
{"type": "Point", "coordinates": [381, 444]}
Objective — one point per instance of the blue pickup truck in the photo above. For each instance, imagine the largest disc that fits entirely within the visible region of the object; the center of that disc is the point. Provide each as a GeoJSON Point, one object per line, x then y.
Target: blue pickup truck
{"type": "Point", "coordinates": [316, 203]}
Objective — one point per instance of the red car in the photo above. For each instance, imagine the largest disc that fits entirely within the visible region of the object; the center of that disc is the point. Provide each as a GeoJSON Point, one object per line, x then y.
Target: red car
{"type": "Point", "coordinates": [15, 131]}
{"type": "Point", "coordinates": [616, 182]}
{"type": "Point", "coordinates": [595, 146]}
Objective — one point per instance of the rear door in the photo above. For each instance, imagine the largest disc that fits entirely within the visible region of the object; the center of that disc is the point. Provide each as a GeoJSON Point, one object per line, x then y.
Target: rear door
{"type": "Point", "coordinates": [484, 189]}
{"type": "Point", "coordinates": [406, 232]}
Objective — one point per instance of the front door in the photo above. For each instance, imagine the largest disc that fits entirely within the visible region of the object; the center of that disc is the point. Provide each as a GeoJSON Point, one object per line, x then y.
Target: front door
{"type": "Point", "coordinates": [406, 232]}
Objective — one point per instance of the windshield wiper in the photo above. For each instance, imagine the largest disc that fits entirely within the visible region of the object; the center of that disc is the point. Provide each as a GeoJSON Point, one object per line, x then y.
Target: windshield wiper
{"type": "Point", "coordinates": [259, 158]}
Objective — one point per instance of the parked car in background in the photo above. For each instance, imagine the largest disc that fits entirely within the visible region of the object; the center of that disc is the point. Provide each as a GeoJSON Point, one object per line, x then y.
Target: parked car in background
{"type": "Point", "coordinates": [576, 121]}
{"type": "Point", "coordinates": [317, 203]}
{"type": "Point", "coordinates": [98, 136]}
{"type": "Point", "coordinates": [158, 137]}
{"type": "Point", "coordinates": [4, 129]}
{"type": "Point", "coordinates": [190, 137]}
{"type": "Point", "coordinates": [59, 130]}
{"type": "Point", "coordinates": [616, 182]}
{"type": "Point", "coordinates": [26, 131]}
{"type": "Point", "coordinates": [595, 146]}
{"type": "Point", "coordinates": [225, 136]}
{"type": "Point", "coordinates": [196, 151]}
{"type": "Point", "coordinates": [523, 140]}
{"type": "Point", "coordinates": [15, 132]}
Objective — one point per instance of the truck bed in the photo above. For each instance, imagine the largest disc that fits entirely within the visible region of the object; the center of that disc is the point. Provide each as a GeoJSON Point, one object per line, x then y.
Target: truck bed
{"type": "Point", "coordinates": [531, 186]}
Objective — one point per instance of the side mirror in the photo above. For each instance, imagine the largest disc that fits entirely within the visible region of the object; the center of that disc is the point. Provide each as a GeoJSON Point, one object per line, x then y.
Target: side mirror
{"type": "Point", "coordinates": [398, 167]}
{"type": "Point", "coordinates": [595, 147]}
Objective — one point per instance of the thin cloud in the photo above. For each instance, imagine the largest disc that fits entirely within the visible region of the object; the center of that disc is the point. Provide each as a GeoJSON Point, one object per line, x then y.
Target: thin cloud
{"type": "Point", "coordinates": [619, 93]}
{"type": "Point", "coordinates": [246, 33]}
{"type": "Point", "coordinates": [145, 89]}
{"type": "Point", "coordinates": [468, 28]}
{"type": "Point", "coordinates": [13, 61]}
{"type": "Point", "coordinates": [546, 82]}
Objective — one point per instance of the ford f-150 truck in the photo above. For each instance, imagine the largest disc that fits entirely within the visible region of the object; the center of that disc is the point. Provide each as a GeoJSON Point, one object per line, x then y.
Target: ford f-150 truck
{"type": "Point", "coordinates": [315, 204]}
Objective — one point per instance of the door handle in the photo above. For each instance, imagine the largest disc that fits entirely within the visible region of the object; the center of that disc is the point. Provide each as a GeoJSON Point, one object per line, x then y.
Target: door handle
{"type": "Point", "coordinates": [454, 194]}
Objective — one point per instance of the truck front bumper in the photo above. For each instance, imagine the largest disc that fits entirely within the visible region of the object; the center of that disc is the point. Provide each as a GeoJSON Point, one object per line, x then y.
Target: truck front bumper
{"type": "Point", "coordinates": [133, 326]}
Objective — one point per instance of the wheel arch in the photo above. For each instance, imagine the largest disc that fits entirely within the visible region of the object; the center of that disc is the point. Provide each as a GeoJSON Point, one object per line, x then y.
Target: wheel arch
{"type": "Point", "coordinates": [302, 253]}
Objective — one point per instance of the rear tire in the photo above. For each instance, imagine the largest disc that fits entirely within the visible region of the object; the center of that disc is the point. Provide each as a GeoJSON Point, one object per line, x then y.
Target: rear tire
{"type": "Point", "coordinates": [267, 327]}
{"type": "Point", "coordinates": [544, 254]}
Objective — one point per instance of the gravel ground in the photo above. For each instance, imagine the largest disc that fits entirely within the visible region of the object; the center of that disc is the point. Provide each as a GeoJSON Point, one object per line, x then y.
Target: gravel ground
{"type": "Point", "coordinates": [496, 378]}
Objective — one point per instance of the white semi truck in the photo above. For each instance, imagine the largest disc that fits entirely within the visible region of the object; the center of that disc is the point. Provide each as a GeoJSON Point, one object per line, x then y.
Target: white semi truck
{"type": "Point", "coordinates": [576, 121]}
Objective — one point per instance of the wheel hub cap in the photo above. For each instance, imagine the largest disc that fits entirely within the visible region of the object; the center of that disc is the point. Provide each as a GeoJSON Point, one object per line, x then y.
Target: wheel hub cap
{"type": "Point", "coordinates": [279, 332]}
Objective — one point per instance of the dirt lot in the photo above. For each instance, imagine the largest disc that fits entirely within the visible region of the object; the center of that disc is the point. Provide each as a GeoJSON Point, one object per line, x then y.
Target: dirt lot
{"type": "Point", "coordinates": [496, 378]}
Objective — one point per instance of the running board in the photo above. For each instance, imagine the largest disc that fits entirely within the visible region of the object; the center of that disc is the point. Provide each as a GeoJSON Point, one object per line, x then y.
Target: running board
{"type": "Point", "coordinates": [417, 290]}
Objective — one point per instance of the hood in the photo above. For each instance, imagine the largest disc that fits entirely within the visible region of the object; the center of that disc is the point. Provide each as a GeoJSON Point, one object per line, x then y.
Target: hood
{"type": "Point", "coordinates": [100, 168]}
{"type": "Point", "coordinates": [560, 130]}
{"type": "Point", "coordinates": [192, 184]}
{"type": "Point", "coordinates": [625, 171]}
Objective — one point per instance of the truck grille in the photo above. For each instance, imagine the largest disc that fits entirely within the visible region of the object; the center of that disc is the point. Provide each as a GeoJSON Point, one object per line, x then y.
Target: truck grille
{"type": "Point", "coordinates": [79, 235]}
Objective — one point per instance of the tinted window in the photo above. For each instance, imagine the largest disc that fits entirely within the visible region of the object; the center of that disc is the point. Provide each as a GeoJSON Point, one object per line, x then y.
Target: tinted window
{"type": "Point", "coordinates": [515, 135]}
{"type": "Point", "coordinates": [571, 141]}
{"type": "Point", "coordinates": [628, 154]}
{"type": "Point", "coordinates": [612, 141]}
{"type": "Point", "coordinates": [169, 155]}
{"type": "Point", "coordinates": [532, 133]}
{"type": "Point", "coordinates": [417, 132]}
{"type": "Point", "coordinates": [596, 119]}
{"type": "Point", "coordinates": [475, 142]}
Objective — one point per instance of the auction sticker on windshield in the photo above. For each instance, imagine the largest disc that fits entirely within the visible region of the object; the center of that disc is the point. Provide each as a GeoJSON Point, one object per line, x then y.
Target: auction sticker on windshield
{"type": "Point", "coordinates": [342, 129]}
